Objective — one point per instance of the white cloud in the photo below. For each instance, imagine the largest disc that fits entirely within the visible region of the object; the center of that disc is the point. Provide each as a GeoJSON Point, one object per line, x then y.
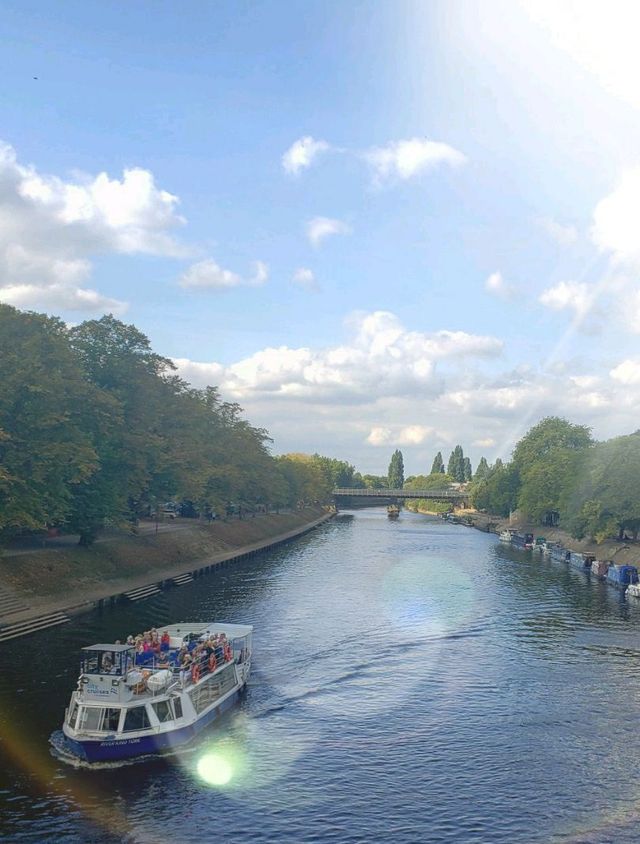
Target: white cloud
{"type": "Point", "coordinates": [406, 436]}
{"type": "Point", "coordinates": [380, 436]}
{"type": "Point", "coordinates": [497, 286]}
{"type": "Point", "coordinates": [616, 220]}
{"type": "Point", "coordinates": [202, 374]}
{"type": "Point", "coordinates": [319, 228]}
{"type": "Point", "coordinates": [51, 228]}
{"type": "Point", "coordinates": [405, 159]}
{"type": "Point", "coordinates": [564, 235]}
{"type": "Point", "coordinates": [304, 277]}
{"type": "Point", "coordinates": [56, 297]}
{"type": "Point", "coordinates": [576, 296]}
{"type": "Point", "coordinates": [382, 358]}
{"type": "Point", "coordinates": [484, 442]}
{"type": "Point", "coordinates": [627, 372]}
{"type": "Point", "coordinates": [209, 275]}
{"type": "Point", "coordinates": [302, 153]}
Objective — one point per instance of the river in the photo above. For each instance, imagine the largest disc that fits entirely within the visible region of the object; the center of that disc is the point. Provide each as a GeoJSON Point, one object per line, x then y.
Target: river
{"type": "Point", "coordinates": [413, 681]}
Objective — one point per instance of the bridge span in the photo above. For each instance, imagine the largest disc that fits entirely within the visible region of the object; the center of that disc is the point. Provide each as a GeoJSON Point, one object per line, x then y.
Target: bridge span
{"type": "Point", "coordinates": [453, 495]}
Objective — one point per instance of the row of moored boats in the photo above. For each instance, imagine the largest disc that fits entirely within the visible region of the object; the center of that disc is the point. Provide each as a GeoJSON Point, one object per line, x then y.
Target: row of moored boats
{"type": "Point", "coordinates": [623, 577]}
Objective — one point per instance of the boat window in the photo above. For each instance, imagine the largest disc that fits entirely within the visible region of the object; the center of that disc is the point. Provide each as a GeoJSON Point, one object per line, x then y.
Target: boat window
{"type": "Point", "coordinates": [73, 715]}
{"type": "Point", "coordinates": [90, 718]}
{"type": "Point", "coordinates": [162, 710]}
{"type": "Point", "coordinates": [111, 720]}
{"type": "Point", "coordinates": [136, 719]}
{"type": "Point", "coordinates": [213, 688]}
{"type": "Point", "coordinates": [177, 707]}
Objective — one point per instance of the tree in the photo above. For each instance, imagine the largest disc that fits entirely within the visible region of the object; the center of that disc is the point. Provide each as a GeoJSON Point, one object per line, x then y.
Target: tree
{"type": "Point", "coordinates": [466, 468]}
{"type": "Point", "coordinates": [498, 493]}
{"type": "Point", "coordinates": [546, 460]}
{"type": "Point", "coordinates": [438, 464]}
{"type": "Point", "coordinates": [396, 471]}
{"type": "Point", "coordinates": [46, 406]}
{"type": "Point", "coordinates": [375, 481]}
{"type": "Point", "coordinates": [605, 498]}
{"type": "Point", "coordinates": [482, 471]}
{"type": "Point", "coordinates": [455, 466]}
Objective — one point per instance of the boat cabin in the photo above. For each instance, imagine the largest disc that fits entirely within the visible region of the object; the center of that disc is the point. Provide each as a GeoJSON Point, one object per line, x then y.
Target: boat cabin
{"type": "Point", "coordinates": [107, 659]}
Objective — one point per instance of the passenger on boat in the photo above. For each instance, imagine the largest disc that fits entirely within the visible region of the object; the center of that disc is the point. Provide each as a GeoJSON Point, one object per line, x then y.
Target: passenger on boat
{"type": "Point", "coordinates": [165, 641]}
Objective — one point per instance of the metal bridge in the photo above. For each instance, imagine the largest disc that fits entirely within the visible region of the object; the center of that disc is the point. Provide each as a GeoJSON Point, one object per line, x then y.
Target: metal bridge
{"type": "Point", "coordinates": [439, 494]}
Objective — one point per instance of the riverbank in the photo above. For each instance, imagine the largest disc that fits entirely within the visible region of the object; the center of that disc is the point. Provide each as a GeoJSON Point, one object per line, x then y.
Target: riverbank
{"type": "Point", "coordinates": [72, 579]}
{"type": "Point", "coordinates": [626, 553]}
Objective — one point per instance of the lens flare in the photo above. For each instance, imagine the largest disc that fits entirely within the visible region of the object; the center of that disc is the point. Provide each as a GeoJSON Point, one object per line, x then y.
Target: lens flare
{"type": "Point", "coordinates": [215, 769]}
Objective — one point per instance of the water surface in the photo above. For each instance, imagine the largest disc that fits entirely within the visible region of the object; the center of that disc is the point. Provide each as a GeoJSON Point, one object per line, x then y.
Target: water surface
{"type": "Point", "coordinates": [413, 682]}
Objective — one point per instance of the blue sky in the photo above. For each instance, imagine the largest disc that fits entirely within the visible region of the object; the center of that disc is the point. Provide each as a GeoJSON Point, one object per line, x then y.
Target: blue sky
{"type": "Point", "coordinates": [447, 254]}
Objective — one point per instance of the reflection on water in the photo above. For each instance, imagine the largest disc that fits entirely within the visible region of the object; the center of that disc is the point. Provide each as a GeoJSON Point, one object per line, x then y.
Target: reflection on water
{"type": "Point", "coordinates": [413, 681]}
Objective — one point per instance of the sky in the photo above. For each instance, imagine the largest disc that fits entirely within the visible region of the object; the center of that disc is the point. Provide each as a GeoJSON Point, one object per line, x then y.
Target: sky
{"type": "Point", "coordinates": [374, 225]}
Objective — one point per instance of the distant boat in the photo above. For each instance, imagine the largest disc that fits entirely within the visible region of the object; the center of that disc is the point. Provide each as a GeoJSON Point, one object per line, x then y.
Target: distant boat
{"type": "Point", "coordinates": [393, 511]}
{"type": "Point", "coordinates": [506, 535]}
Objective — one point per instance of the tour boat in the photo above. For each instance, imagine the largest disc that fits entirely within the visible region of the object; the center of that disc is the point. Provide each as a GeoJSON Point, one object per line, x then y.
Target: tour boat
{"type": "Point", "coordinates": [393, 511]}
{"type": "Point", "coordinates": [129, 703]}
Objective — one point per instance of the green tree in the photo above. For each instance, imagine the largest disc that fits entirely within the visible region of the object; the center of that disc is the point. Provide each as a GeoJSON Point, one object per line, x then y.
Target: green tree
{"type": "Point", "coordinates": [455, 466]}
{"type": "Point", "coordinates": [396, 471]}
{"type": "Point", "coordinates": [482, 470]}
{"type": "Point", "coordinates": [438, 464]}
{"type": "Point", "coordinates": [375, 481]}
{"type": "Point", "coordinates": [547, 459]}
{"type": "Point", "coordinates": [46, 449]}
{"type": "Point", "coordinates": [605, 498]}
{"type": "Point", "coordinates": [466, 468]}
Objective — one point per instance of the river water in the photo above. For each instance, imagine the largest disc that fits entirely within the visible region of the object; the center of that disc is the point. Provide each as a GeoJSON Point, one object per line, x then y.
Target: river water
{"type": "Point", "coordinates": [413, 681]}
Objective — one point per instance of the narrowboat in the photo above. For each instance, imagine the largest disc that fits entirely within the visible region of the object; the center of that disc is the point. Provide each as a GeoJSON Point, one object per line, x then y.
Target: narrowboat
{"type": "Point", "coordinates": [540, 544]}
{"type": "Point", "coordinates": [131, 703]}
{"type": "Point", "coordinates": [560, 554]}
{"type": "Point", "coordinates": [522, 540]}
{"type": "Point", "coordinates": [599, 569]}
{"type": "Point", "coordinates": [581, 561]}
{"type": "Point", "coordinates": [506, 535]}
{"type": "Point", "coordinates": [622, 576]}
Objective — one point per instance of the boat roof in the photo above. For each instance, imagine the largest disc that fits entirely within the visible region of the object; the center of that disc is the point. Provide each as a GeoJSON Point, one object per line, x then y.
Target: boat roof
{"type": "Point", "coordinates": [182, 629]}
{"type": "Point", "coordinates": [111, 648]}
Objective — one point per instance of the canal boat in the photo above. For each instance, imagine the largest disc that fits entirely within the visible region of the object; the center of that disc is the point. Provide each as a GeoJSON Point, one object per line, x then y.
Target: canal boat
{"type": "Point", "coordinates": [522, 540]}
{"type": "Point", "coordinates": [622, 576]}
{"type": "Point", "coordinates": [581, 561]}
{"type": "Point", "coordinates": [539, 544]}
{"type": "Point", "coordinates": [599, 569]}
{"type": "Point", "coordinates": [560, 554]}
{"type": "Point", "coordinates": [130, 703]}
{"type": "Point", "coordinates": [633, 591]}
{"type": "Point", "coordinates": [506, 535]}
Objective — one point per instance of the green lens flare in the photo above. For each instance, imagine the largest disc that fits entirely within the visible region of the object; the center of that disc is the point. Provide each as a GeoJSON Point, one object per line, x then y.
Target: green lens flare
{"type": "Point", "coordinates": [215, 769]}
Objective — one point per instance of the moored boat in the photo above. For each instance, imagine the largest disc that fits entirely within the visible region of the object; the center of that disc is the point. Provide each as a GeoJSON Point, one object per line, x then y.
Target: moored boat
{"type": "Point", "coordinates": [522, 540]}
{"type": "Point", "coordinates": [599, 569]}
{"type": "Point", "coordinates": [560, 554]}
{"type": "Point", "coordinates": [622, 576]}
{"type": "Point", "coordinates": [131, 703]}
{"type": "Point", "coordinates": [506, 535]}
{"type": "Point", "coordinates": [581, 561]}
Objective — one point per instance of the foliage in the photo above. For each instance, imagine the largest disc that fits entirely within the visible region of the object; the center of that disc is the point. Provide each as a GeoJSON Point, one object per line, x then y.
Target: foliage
{"type": "Point", "coordinates": [459, 466]}
{"type": "Point", "coordinates": [498, 493]}
{"type": "Point", "coordinates": [396, 471]}
{"type": "Point", "coordinates": [438, 464]}
{"type": "Point", "coordinates": [375, 481]}
{"type": "Point", "coordinates": [482, 471]}
{"type": "Point", "coordinates": [96, 429]}
{"type": "Point", "coordinates": [547, 459]}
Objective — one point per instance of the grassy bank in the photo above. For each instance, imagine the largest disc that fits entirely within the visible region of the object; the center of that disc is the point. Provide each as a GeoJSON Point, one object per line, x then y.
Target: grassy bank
{"type": "Point", "coordinates": [71, 575]}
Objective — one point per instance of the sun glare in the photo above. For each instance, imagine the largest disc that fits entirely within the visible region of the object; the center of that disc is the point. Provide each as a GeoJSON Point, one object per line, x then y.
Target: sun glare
{"type": "Point", "coordinates": [215, 769]}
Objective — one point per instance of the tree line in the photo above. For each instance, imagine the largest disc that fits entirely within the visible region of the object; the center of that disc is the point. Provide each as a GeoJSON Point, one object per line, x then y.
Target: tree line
{"type": "Point", "coordinates": [559, 472]}
{"type": "Point", "coordinates": [96, 429]}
